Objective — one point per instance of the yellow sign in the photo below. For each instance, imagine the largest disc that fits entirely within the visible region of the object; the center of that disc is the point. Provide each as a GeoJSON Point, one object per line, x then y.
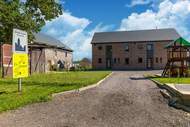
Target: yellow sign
{"type": "Point", "coordinates": [20, 65]}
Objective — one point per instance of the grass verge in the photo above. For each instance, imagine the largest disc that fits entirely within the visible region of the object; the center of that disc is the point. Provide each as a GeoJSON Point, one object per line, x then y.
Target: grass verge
{"type": "Point", "coordinates": [172, 80]}
{"type": "Point", "coordinates": [40, 87]}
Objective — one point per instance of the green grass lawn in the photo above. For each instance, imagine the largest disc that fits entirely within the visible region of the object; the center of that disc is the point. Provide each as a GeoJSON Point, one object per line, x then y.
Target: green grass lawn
{"type": "Point", "coordinates": [40, 87]}
{"type": "Point", "coordinates": [172, 80]}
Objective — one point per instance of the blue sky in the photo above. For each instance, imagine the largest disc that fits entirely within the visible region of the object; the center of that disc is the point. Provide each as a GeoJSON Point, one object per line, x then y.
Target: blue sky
{"type": "Point", "coordinates": [104, 11]}
{"type": "Point", "coordinates": [81, 18]}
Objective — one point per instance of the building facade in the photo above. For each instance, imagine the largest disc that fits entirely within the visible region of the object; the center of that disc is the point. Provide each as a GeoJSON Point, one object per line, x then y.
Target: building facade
{"type": "Point", "coordinates": [48, 53]}
{"type": "Point", "coordinates": [131, 50]}
{"type": "Point", "coordinates": [45, 54]}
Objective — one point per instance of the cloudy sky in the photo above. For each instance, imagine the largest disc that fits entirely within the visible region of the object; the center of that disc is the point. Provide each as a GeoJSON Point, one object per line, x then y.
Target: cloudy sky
{"type": "Point", "coordinates": [81, 18]}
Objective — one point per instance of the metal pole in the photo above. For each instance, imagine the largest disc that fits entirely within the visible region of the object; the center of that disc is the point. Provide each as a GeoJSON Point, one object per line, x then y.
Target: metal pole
{"type": "Point", "coordinates": [19, 85]}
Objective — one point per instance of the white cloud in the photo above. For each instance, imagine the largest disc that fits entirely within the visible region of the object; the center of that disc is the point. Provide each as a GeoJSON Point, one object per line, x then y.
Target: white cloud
{"type": "Point", "coordinates": [72, 31]}
{"type": "Point", "coordinates": [169, 14]}
{"type": "Point", "coordinates": [138, 2]}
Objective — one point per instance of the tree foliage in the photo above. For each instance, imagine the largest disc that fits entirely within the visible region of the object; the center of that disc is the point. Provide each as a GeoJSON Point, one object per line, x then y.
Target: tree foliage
{"type": "Point", "coordinates": [85, 62]}
{"type": "Point", "coordinates": [28, 15]}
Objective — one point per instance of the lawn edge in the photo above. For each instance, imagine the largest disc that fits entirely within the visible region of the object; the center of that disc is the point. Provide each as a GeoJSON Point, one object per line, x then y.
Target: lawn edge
{"type": "Point", "coordinates": [82, 88]}
{"type": "Point", "coordinates": [159, 84]}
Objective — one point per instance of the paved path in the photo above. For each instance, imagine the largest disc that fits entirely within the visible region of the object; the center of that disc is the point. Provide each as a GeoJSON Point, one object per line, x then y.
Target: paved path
{"type": "Point", "coordinates": [125, 99]}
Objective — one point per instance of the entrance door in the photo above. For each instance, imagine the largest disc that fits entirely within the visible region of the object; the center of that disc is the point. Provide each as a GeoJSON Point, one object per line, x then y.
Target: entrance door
{"type": "Point", "coordinates": [149, 63]}
{"type": "Point", "coordinates": [109, 57]}
{"type": "Point", "coordinates": [150, 54]}
{"type": "Point", "coordinates": [108, 64]}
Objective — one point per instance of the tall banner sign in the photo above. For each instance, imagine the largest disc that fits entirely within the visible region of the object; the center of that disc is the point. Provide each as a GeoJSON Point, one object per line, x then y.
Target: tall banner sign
{"type": "Point", "coordinates": [20, 55]}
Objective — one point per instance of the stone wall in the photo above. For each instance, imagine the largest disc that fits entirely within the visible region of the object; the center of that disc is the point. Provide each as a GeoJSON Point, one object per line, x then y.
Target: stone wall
{"type": "Point", "coordinates": [52, 56]}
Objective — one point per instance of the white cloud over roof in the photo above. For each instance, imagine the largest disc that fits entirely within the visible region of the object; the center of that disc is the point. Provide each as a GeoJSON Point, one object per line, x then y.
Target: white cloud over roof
{"type": "Point", "coordinates": [72, 31]}
{"type": "Point", "coordinates": [169, 15]}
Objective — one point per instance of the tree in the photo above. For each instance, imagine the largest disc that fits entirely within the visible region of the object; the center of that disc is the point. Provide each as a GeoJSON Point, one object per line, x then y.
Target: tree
{"type": "Point", "coordinates": [28, 15]}
{"type": "Point", "coordinates": [85, 62]}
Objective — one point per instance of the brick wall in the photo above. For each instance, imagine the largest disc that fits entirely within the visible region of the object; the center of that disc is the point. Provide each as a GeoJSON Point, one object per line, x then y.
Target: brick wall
{"type": "Point", "coordinates": [160, 54]}
{"type": "Point", "coordinates": [133, 54]}
{"type": "Point", "coordinates": [96, 54]}
{"type": "Point", "coordinates": [7, 59]}
{"type": "Point", "coordinates": [136, 51]}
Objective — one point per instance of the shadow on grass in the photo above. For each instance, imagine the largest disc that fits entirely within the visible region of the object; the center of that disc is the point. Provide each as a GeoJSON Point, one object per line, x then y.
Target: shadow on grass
{"type": "Point", "coordinates": [8, 82]}
{"type": "Point", "coordinates": [138, 78]}
{"type": "Point", "coordinates": [35, 83]}
{"type": "Point", "coordinates": [53, 84]}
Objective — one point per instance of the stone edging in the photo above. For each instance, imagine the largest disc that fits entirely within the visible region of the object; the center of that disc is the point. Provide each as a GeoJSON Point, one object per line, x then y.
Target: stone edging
{"type": "Point", "coordinates": [82, 88]}
{"type": "Point", "coordinates": [175, 100]}
{"type": "Point", "coordinates": [160, 85]}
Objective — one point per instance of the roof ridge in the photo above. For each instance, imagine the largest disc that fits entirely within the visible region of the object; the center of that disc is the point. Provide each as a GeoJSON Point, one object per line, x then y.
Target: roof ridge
{"type": "Point", "coordinates": [168, 34]}
{"type": "Point", "coordinates": [120, 31]}
{"type": "Point", "coordinates": [50, 40]}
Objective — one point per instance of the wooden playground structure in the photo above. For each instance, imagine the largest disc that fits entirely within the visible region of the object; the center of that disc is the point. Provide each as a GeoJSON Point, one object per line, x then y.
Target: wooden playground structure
{"type": "Point", "coordinates": [178, 54]}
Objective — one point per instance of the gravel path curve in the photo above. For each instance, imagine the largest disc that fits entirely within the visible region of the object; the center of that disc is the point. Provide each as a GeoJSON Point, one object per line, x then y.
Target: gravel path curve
{"type": "Point", "coordinates": [125, 99]}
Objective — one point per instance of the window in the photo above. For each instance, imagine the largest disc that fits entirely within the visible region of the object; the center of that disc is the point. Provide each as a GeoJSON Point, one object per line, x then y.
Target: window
{"type": "Point", "coordinates": [149, 47]}
{"type": "Point", "coordinates": [118, 59]}
{"type": "Point", "coordinates": [140, 46]}
{"type": "Point", "coordinates": [126, 47]}
{"type": "Point", "coordinates": [160, 59]}
{"type": "Point", "coordinates": [156, 59]}
{"type": "Point", "coordinates": [126, 60]}
{"type": "Point", "coordinates": [65, 54]}
{"type": "Point", "coordinates": [115, 60]}
{"type": "Point", "coordinates": [140, 60]}
{"type": "Point", "coordinates": [99, 47]}
{"type": "Point", "coordinates": [99, 60]}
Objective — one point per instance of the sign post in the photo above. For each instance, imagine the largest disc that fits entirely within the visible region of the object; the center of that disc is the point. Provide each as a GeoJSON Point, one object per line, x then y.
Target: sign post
{"type": "Point", "coordinates": [19, 85]}
{"type": "Point", "coordinates": [20, 56]}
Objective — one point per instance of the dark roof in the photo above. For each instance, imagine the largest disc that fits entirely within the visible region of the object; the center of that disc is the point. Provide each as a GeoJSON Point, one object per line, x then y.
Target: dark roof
{"type": "Point", "coordinates": [169, 34]}
{"type": "Point", "coordinates": [43, 39]}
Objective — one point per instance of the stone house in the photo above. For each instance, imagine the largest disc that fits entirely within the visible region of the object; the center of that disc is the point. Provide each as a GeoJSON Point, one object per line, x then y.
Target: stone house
{"type": "Point", "coordinates": [45, 54]}
{"type": "Point", "coordinates": [135, 50]}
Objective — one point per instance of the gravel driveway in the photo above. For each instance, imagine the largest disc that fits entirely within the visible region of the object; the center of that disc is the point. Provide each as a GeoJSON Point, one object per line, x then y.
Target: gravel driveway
{"type": "Point", "coordinates": [125, 99]}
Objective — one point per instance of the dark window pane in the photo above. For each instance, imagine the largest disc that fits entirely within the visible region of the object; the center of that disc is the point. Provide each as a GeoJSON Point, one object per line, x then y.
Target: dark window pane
{"type": "Point", "coordinates": [160, 59]}
{"type": "Point", "coordinates": [118, 60]}
{"type": "Point", "coordinates": [140, 60]}
{"type": "Point", "coordinates": [115, 60]}
{"type": "Point", "coordinates": [126, 60]}
{"type": "Point", "coordinates": [156, 59]}
{"type": "Point", "coordinates": [99, 60]}
{"type": "Point", "coordinates": [99, 47]}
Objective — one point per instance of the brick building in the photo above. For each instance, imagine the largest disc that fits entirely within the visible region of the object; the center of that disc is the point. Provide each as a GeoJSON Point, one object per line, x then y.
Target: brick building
{"type": "Point", "coordinates": [44, 53]}
{"type": "Point", "coordinates": [142, 49]}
